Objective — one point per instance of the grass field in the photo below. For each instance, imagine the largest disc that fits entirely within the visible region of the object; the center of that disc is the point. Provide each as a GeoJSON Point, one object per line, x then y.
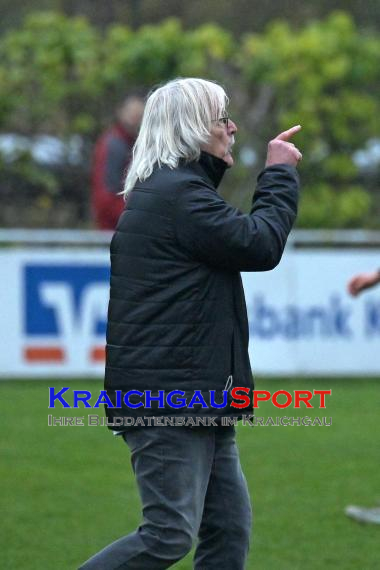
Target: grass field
{"type": "Point", "coordinates": [68, 491]}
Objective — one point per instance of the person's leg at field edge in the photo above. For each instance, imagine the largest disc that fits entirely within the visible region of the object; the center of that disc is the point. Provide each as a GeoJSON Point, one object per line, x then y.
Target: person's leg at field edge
{"type": "Point", "coordinates": [173, 468]}
{"type": "Point", "coordinates": [364, 514]}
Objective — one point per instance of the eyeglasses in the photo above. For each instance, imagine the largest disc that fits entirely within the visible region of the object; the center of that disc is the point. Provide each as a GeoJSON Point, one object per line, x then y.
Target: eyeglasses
{"type": "Point", "coordinates": [222, 120]}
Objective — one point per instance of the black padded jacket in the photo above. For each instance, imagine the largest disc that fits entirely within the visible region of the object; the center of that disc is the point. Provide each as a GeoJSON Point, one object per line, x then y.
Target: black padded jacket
{"type": "Point", "coordinates": [177, 317]}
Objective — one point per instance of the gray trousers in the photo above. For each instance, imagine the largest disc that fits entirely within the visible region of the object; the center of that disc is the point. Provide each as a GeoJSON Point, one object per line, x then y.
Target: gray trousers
{"type": "Point", "coordinates": [191, 487]}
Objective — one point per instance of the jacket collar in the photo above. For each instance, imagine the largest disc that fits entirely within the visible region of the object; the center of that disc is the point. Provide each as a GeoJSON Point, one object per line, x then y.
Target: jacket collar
{"type": "Point", "coordinates": [210, 167]}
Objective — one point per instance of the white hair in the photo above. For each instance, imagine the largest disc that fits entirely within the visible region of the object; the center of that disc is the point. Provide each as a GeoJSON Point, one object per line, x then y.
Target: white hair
{"type": "Point", "coordinates": [176, 123]}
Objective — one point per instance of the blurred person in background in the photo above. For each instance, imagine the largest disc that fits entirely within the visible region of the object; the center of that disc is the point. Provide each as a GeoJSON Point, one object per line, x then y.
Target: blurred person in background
{"type": "Point", "coordinates": [113, 152]}
{"type": "Point", "coordinates": [355, 286]}
{"type": "Point", "coordinates": [177, 320]}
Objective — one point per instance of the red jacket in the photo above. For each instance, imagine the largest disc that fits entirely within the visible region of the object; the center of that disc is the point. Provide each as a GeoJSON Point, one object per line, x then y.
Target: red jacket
{"type": "Point", "coordinates": [112, 155]}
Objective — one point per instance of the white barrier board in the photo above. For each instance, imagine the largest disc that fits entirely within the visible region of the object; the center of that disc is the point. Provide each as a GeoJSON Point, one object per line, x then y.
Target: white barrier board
{"type": "Point", "coordinates": [302, 321]}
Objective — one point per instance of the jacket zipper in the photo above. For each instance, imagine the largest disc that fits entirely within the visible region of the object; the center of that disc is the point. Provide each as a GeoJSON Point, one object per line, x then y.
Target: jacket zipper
{"type": "Point", "coordinates": [230, 379]}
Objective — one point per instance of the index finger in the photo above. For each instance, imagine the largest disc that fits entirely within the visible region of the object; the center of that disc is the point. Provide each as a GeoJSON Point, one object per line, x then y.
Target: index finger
{"type": "Point", "coordinates": [286, 135]}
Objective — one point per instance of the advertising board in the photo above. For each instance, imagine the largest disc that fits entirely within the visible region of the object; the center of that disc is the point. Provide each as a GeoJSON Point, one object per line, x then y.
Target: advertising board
{"type": "Point", "coordinates": [302, 320]}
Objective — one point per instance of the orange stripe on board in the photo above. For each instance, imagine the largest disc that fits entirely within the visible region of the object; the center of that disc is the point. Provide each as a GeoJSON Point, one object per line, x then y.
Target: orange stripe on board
{"type": "Point", "coordinates": [98, 354]}
{"type": "Point", "coordinates": [44, 354]}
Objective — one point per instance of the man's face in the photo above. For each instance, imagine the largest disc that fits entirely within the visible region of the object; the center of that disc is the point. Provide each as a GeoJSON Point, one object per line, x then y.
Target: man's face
{"type": "Point", "coordinates": [222, 140]}
{"type": "Point", "coordinates": [130, 114]}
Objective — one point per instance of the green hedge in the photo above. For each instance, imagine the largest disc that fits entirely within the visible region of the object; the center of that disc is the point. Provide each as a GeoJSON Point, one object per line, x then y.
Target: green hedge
{"type": "Point", "coordinates": [63, 76]}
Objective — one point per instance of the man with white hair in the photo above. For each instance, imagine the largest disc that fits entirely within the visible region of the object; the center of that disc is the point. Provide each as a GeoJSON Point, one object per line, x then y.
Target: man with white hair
{"type": "Point", "coordinates": [177, 325]}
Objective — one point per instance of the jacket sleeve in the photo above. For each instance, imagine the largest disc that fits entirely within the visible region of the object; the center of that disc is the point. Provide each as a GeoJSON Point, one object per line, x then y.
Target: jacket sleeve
{"type": "Point", "coordinates": [214, 232]}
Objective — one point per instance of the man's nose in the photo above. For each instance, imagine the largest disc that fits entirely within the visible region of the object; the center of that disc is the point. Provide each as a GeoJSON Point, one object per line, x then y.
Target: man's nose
{"type": "Point", "coordinates": [232, 128]}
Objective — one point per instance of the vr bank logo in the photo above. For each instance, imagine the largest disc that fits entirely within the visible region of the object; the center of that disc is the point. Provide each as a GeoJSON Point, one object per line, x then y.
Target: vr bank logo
{"type": "Point", "coordinates": [65, 313]}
